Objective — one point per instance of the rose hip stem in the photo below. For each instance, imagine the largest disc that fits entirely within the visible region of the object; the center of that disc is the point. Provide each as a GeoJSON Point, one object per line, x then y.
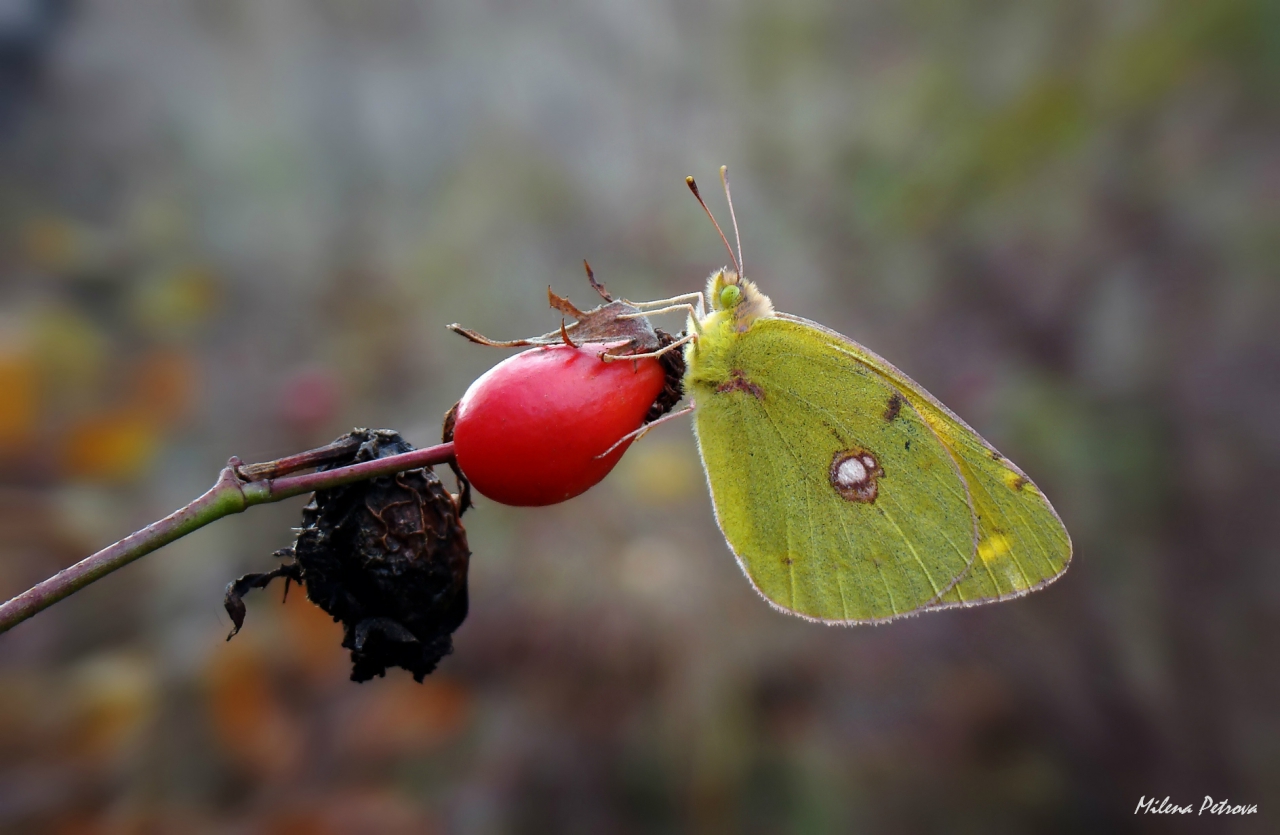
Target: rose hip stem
{"type": "Point", "coordinates": [229, 494]}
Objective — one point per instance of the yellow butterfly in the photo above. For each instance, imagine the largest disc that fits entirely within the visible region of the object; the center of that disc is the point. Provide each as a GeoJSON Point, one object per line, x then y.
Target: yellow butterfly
{"type": "Point", "coordinates": [846, 491]}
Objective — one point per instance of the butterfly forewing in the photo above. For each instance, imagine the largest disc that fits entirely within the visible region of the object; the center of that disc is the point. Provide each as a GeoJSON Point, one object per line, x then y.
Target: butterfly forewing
{"type": "Point", "coordinates": [1022, 544]}
{"type": "Point", "coordinates": [839, 498]}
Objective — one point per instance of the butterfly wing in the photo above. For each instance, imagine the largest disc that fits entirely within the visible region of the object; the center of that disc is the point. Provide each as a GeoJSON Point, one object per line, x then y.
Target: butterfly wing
{"type": "Point", "coordinates": [1022, 544]}
{"type": "Point", "coordinates": [840, 500]}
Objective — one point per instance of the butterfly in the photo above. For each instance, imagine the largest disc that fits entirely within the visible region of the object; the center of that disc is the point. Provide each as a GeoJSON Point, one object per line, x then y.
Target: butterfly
{"type": "Point", "coordinates": [847, 492]}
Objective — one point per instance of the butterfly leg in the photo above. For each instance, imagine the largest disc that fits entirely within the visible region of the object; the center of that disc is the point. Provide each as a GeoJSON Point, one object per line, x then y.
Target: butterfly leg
{"type": "Point", "coordinates": [646, 313]}
{"type": "Point", "coordinates": [695, 314]}
{"type": "Point", "coordinates": [607, 357]}
{"type": "Point", "coordinates": [644, 430]}
{"type": "Point", "coordinates": [690, 309]}
{"type": "Point", "coordinates": [699, 307]}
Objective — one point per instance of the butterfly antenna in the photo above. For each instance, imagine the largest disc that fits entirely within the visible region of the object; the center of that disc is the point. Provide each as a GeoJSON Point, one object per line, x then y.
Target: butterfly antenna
{"type": "Point", "coordinates": [693, 186]}
{"type": "Point", "coordinates": [724, 178]}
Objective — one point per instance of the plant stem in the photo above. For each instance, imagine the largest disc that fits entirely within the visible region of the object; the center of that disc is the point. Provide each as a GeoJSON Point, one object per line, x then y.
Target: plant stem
{"type": "Point", "coordinates": [229, 494]}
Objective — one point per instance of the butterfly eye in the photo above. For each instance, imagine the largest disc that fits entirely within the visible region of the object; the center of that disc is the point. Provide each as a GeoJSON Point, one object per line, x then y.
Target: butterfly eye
{"type": "Point", "coordinates": [729, 297]}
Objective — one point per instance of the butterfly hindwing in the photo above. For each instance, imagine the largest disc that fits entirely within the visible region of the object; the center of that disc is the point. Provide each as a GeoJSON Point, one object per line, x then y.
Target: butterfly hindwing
{"type": "Point", "coordinates": [840, 499]}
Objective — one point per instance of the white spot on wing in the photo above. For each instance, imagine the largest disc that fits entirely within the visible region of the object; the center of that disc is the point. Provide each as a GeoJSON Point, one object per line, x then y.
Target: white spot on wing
{"type": "Point", "coordinates": [851, 473]}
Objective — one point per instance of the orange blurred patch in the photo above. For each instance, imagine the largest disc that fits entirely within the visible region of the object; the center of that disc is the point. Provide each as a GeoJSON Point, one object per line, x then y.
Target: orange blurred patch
{"type": "Point", "coordinates": [298, 822]}
{"type": "Point", "coordinates": [110, 446]}
{"type": "Point", "coordinates": [314, 637]}
{"type": "Point", "coordinates": [399, 717]}
{"type": "Point", "coordinates": [253, 725]}
{"type": "Point", "coordinates": [163, 386]}
{"type": "Point", "coordinates": [19, 401]}
{"type": "Point", "coordinates": [80, 823]}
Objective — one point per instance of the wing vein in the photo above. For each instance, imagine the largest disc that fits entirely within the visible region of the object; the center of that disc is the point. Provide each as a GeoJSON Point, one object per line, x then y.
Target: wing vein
{"type": "Point", "coordinates": [936, 591]}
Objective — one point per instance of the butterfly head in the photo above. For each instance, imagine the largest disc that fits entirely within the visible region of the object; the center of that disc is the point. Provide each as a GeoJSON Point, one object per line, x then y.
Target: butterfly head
{"type": "Point", "coordinates": [736, 298]}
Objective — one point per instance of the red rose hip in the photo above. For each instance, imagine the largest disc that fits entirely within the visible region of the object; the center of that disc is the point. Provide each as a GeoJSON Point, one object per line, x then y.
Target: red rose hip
{"type": "Point", "coordinates": [528, 431]}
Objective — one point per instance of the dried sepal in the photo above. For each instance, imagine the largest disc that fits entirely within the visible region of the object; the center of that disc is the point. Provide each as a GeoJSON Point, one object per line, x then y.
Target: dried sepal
{"type": "Point", "coordinates": [233, 601]}
{"type": "Point", "coordinates": [595, 285]}
{"type": "Point", "coordinates": [602, 324]}
{"type": "Point", "coordinates": [463, 496]}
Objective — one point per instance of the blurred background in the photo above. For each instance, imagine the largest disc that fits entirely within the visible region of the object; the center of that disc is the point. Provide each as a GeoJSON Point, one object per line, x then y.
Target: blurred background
{"type": "Point", "coordinates": [240, 227]}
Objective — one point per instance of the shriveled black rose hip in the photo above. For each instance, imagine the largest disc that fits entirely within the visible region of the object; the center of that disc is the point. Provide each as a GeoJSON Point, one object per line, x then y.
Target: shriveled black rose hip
{"type": "Point", "coordinates": [386, 557]}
